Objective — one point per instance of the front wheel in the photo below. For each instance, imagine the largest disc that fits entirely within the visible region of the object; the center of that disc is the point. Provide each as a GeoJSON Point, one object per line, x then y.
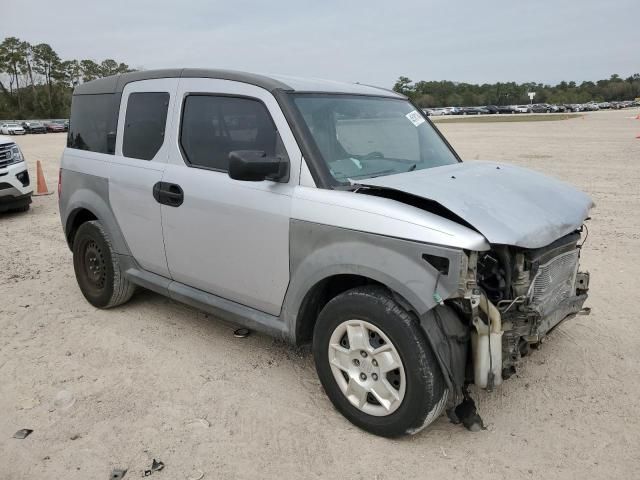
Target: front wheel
{"type": "Point", "coordinates": [376, 365]}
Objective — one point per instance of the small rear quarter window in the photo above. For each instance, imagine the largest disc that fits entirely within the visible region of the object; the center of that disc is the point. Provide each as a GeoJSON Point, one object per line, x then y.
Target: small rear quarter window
{"type": "Point", "coordinates": [145, 123]}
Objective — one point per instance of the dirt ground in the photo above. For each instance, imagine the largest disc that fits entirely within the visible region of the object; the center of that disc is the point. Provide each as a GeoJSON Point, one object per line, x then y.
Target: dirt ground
{"type": "Point", "coordinates": [156, 379]}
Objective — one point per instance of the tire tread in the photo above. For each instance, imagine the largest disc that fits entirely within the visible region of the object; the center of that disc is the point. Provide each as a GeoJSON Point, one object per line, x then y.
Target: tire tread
{"type": "Point", "coordinates": [123, 289]}
{"type": "Point", "coordinates": [432, 381]}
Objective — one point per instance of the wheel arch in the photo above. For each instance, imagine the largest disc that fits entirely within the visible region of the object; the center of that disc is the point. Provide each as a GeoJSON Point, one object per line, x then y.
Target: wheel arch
{"type": "Point", "coordinates": [76, 218]}
{"type": "Point", "coordinates": [319, 295]}
{"type": "Point", "coordinates": [302, 310]}
{"type": "Point", "coordinates": [85, 197]}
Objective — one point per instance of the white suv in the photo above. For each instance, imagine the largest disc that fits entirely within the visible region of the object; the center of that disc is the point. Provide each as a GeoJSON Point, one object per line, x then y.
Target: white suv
{"type": "Point", "coordinates": [15, 186]}
{"type": "Point", "coordinates": [11, 129]}
{"type": "Point", "coordinates": [322, 212]}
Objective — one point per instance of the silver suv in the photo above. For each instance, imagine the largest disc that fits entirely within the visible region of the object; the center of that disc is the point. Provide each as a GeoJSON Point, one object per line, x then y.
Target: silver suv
{"type": "Point", "coordinates": [321, 212]}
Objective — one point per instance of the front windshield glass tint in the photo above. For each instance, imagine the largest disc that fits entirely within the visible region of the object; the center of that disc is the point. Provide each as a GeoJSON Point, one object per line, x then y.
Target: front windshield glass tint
{"type": "Point", "coordinates": [364, 137]}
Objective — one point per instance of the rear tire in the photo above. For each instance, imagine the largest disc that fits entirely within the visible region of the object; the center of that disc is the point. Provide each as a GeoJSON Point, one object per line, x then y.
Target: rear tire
{"type": "Point", "coordinates": [97, 268]}
{"type": "Point", "coordinates": [380, 373]}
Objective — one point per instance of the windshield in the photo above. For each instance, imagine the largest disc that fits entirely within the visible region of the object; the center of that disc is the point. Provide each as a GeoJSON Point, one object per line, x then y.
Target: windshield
{"type": "Point", "coordinates": [364, 136]}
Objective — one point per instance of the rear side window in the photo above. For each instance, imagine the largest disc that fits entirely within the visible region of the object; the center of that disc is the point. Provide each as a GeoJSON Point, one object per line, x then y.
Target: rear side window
{"type": "Point", "coordinates": [144, 124]}
{"type": "Point", "coordinates": [93, 122]}
{"type": "Point", "coordinates": [213, 126]}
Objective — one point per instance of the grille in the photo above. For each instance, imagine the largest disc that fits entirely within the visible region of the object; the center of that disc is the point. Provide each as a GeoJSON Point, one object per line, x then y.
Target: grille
{"type": "Point", "coordinates": [554, 282]}
{"type": "Point", "coordinates": [5, 154]}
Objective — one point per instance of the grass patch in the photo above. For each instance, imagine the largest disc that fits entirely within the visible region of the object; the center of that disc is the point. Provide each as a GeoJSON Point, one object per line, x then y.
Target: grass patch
{"type": "Point", "coordinates": [543, 117]}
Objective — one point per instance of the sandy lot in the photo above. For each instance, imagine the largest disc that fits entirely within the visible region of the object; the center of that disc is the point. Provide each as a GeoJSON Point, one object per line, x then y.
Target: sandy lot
{"type": "Point", "coordinates": [156, 379]}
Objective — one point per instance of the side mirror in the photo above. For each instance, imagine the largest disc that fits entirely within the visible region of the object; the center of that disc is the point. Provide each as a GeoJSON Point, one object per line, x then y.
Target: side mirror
{"type": "Point", "coordinates": [255, 166]}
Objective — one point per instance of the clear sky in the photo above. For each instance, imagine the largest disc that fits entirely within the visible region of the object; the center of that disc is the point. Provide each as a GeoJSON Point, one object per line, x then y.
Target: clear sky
{"type": "Point", "coordinates": [368, 41]}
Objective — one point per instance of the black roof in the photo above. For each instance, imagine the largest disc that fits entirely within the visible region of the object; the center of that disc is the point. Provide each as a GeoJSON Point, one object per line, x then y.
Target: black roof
{"type": "Point", "coordinates": [116, 83]}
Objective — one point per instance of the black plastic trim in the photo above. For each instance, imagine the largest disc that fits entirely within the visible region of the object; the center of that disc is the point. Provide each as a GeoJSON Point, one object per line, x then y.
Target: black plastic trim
{"type": "Point", "coordinates": [117, 83]}
{"type": "Point", "coordinates": [318, 168]}
{"type": "Point", "coordinates": [9, 202]}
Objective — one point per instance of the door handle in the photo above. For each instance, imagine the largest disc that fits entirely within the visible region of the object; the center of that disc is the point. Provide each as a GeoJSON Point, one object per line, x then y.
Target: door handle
{"type": "Point", "coordinates": [168, 194]}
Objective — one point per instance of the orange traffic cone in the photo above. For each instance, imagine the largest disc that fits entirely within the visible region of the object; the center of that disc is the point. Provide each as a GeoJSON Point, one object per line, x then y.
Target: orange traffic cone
{"type": "Point", "coordinates": [638, 117]}
{"type": "Point", "coordinates": [41, 188]}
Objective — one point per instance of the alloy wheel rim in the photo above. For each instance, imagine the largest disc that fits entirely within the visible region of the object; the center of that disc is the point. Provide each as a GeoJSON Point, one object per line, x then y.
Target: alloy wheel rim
{"type": "Point", "coordinates": [367, 367]}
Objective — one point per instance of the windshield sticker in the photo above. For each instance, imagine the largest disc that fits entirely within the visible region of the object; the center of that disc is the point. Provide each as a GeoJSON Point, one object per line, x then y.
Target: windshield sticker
{"type": "Point", "coordinates": [415, 118]}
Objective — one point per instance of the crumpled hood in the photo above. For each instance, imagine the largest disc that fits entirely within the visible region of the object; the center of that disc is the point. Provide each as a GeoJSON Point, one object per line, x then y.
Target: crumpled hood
{"type": "Point", "coordinates": [507, 204]}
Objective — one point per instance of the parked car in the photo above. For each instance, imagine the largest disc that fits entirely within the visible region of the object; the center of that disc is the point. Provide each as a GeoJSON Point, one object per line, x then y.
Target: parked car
{"type": "Point", "coordinates": [439, 111]}
{"type": "Point", "coordinates": [53, 127]}
{"type": "Point", "coordinates": [522, 109]}
{"type": "Point", "coordinates": [506, 109]}
{"type": "Point", "coordinates": [433, 112]}
{"type": "Point", "coordinates": [326, 213]}
{"type": "Point", "coordinates": [11, 129]}
{"type": "Point", "coordinates": [63, 123]}
{"type": "Point", "coordinates": [34, 127]}
{"type": "Point", "coordinates": [472, 111]}
{"type": "Point", "coordinates": [540, 108]}
{"type": "Point", "coordinates": [492, 109]}
{"type": "Point", "coordinates": [604, 105]}
{"type": "Point", "coordinates": [15, 186]}
{"type": "Point", "coordinates": [590, 107]}
{"type": "Point", "coordinates": [573, 107]}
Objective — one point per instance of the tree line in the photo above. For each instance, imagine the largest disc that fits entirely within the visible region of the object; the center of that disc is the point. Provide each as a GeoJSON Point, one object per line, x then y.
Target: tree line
{"type": "Point", "coordinates": [454, 94]}
{"type": "Point", "coordinates": [36, 83]}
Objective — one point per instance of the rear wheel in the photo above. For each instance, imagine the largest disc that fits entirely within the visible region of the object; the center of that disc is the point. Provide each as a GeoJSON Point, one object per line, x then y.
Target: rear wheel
{"type": "Point", "coordinates": [97, 268]}
{"type": "Point", "coordinates": [376, 365]}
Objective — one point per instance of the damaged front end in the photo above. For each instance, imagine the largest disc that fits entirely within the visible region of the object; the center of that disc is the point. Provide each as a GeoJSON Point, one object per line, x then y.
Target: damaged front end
{"type": "Point", "coordinates": [513, 297]}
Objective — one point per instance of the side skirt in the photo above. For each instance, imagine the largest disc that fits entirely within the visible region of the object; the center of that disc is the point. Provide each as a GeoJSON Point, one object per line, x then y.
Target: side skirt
{"type": "Point", "coordinates": [220, 307]}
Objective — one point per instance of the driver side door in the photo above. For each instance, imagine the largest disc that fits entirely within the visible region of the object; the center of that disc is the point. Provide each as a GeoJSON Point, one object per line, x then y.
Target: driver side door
{"type": "Point", "coordinates": [228, 237]}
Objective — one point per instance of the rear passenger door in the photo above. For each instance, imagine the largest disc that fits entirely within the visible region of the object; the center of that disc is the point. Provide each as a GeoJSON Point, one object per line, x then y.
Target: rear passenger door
{"type": "Point", "coordinates": [229, 237]}
{"type": "Point", "coordinates": [139, 163]}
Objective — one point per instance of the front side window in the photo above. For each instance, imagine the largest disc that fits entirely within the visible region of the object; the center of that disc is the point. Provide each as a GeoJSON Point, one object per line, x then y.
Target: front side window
{"type": "Point", "coordinates": [213, 126]}
{"type": "Point", "coordinates": [144, 124]}
{"type": "Point", "coordinates": [364, 136]}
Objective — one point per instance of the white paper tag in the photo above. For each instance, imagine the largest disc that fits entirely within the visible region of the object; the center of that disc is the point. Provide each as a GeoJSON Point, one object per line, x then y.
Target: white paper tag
{"type": "Point", "coordinates": [415, 118]}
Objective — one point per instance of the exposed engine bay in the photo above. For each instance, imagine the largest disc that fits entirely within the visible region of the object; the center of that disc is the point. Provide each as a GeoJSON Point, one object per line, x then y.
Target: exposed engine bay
{"type": "Point", "coordinates": [510, 296]}
{"type": "Point", "coordinates": [532, 291]}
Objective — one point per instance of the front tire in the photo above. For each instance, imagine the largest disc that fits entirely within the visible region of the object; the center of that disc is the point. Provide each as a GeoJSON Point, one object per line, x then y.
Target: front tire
{"type": "Point", "coordinates": [97, 268]}
{"type": "Point", "coordinates": [376, 365]}
{"type": "Point", "coordinates": [21, 208]}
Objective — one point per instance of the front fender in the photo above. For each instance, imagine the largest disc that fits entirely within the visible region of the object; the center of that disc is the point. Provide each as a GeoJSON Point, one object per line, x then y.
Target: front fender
{"type": "Point", "coordinates": [320, 251]}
